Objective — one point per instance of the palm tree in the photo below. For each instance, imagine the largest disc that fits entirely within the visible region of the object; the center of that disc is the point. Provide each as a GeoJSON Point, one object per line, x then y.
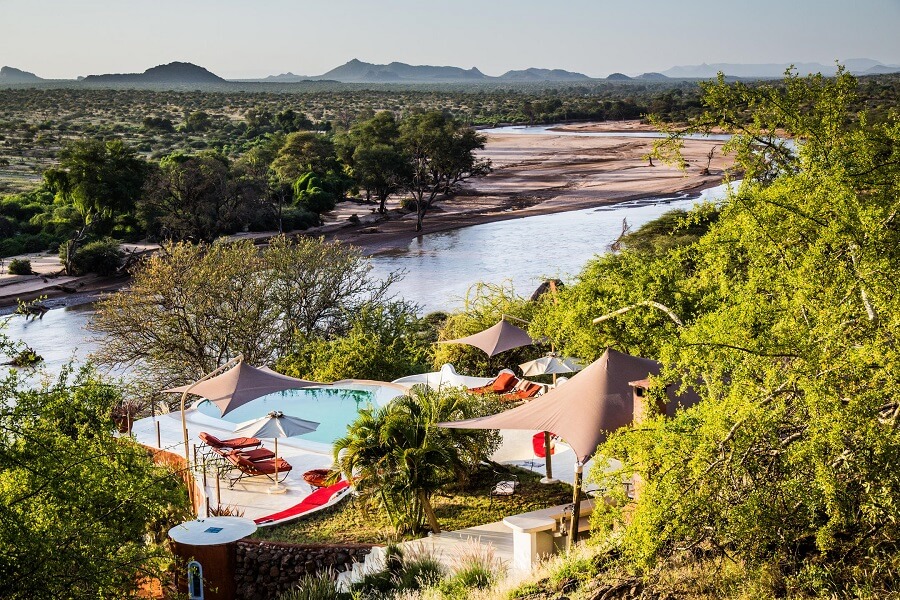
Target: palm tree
{"type": "Point", "coordinates": [398, 455]}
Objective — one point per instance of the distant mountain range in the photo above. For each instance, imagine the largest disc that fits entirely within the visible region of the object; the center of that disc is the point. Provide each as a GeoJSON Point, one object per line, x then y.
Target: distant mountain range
{"type": "Point", "coordinates": [857, 66]}
{"type": "Point", "coordinates": [179, 74]}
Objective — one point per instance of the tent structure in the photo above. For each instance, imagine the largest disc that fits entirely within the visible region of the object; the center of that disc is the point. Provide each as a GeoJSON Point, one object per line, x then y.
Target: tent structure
{"type": "Point", "coordinates": [232, 385]}
{"type": "Point", "coordinates": [495, 339]}
{"type": "Point", "coordinates": [241, 384]}
{"type": "Point", "coordinates": [597, 400]}
{"type": "Point", "coordinates": [592, 403]}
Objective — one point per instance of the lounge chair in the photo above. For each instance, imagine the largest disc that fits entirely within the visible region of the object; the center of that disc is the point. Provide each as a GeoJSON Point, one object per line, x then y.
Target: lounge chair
{"type": "Point", "coordinates": [240, 443]}
{"type": "Point", "coordinates": [503, 383]}
{"type": "Point", "coordinates": [522, 391]}
{"type": "Point", "coordinates": [267, 468]}
{"type": "Point", "coordinates": [255, 455]}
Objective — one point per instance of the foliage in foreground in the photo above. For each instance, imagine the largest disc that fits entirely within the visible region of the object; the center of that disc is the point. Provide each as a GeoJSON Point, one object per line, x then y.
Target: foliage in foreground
{"type": "Point", "coordinates": [788, 467]}
{"type": "Point", "coordinates": [82, 513]}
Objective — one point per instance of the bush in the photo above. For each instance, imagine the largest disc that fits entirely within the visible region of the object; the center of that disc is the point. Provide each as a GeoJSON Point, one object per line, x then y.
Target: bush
{"type": "Point", "coordinates": [102, 257]}
{"type": "Point", "coordinates": [318, 587]}
{"type": "Point", "coordinates": [19, 266]}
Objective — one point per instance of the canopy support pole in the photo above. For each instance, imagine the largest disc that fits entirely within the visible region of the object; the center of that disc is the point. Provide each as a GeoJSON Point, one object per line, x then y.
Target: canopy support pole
{"type": "Point", "coordinates": [548, 451]}
{"type": "Point", "coordinates": [184, 429]}
{"type": "Point", "coordinates": [576, 508]}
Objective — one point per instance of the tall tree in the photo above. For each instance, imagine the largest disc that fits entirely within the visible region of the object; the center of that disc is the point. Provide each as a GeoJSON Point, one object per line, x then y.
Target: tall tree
{"type": "Point", "coordinates": [197, 198]}
{"type": "Point", "coordinates": [191, 308]}
{"type": "Point", "coordinates": [442, 152]}
{"type": "Point", "coordinates": [373, 152]}
{"type": "Point", "coordinates": [100, 180]}
{"type": "Point", "coordinates": [788, 302]}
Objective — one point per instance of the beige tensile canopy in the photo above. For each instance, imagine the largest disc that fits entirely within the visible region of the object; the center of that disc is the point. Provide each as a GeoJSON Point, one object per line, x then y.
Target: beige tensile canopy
{"type": "Point", "coordinates": [594, 402]}
{"type": "Point", "coordinates": [241, 384]}
{"type": "Point", "coordinates": [496, 339]}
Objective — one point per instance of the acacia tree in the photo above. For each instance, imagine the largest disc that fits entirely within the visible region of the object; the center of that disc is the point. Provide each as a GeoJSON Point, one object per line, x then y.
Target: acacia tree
{"type": "Point", "coordinates": [198, 197]}
{"type": "Point", "coordinates": [191, 308]}
{"type": "Point", "coordinates": [100, 180]}
{"type": "Point", "coordinates": [442, 152]}
{"type": "Point", "coordinates": [82, 513]}
{"type": "Point", "coordinates": [375, 156]}
{"type": "Point", "coordinates": [789, 304]}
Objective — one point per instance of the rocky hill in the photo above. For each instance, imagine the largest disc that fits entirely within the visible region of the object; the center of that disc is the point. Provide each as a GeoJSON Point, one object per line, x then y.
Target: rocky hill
{"type": "Point", "coordinates": [173, 73]}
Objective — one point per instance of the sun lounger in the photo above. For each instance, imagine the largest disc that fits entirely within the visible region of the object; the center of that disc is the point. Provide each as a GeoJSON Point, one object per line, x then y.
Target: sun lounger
{"type": "Point", "coordinates": [526, 389]}
{"type": "Point", "coordinates": [230, 444]}
{"type": "Point", "coordinates": [247, 468]}
{"type": "Point", "coordinates": [504, 382]}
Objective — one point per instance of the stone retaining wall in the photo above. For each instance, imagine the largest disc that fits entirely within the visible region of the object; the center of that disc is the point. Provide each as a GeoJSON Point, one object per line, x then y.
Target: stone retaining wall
{"type": "Point", "coordinates": [265, 569]}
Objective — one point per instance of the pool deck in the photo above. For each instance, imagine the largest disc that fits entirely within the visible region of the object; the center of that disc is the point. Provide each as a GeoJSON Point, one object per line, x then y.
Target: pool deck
{"type": "Point", "coordinates": [250, 495]}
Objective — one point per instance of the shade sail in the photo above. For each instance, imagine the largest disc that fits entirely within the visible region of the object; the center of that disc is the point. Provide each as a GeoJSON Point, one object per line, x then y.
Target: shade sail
{"type": "Point", "coordinates": [593, 403]}
{"type": "Point", "coordinates": [241, 384]}
{"type": "Point", "coordinates": [496, 339]}
{"type": "Point", "coordinates": [550, 365]}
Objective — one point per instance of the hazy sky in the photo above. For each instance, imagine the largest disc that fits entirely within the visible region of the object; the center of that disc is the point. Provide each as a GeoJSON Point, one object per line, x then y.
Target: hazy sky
{"type": "Point", "coordinates": [63, 39]}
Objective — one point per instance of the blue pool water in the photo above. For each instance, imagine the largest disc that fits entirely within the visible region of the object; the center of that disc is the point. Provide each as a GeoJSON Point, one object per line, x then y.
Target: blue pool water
{"type": "Point", "coordinates": [332, 407]}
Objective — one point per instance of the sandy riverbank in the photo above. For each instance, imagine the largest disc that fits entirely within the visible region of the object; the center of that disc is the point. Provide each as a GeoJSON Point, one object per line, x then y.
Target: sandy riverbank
{"type": "Point", "coordinates": [533, 175]}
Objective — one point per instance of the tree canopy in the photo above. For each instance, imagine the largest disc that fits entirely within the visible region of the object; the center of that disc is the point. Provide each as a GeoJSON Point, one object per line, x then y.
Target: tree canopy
{"type": "Point", "coordinates": [191, 308]}
{"type": "Point", "coordinates": [789, 306]}
{"type": "Point", "coordinates": [82, 513]}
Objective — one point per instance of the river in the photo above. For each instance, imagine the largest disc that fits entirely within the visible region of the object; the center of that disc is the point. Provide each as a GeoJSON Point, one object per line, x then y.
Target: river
{"type": "Point", "coordinates": [440, 267]}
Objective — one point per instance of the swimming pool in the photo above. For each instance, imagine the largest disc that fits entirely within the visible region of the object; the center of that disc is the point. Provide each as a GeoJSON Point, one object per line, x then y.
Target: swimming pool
{"type": "Point", "coordinates": [333, 407]}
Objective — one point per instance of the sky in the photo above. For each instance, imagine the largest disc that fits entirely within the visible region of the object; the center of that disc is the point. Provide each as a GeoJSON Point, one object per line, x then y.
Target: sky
{"type": "Point", "coordinates": [254, 38]}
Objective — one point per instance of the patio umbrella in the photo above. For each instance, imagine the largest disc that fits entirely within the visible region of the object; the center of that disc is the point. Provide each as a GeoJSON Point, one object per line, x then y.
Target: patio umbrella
{"type": "Point", "coordinates": [276, 425]}
{"type": "Point", "coordinates": [549, 365]}
{"type": "Point", "coordinates": [595, 402]}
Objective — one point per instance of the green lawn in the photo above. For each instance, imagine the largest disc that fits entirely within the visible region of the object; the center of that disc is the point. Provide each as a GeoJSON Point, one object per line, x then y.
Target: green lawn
{"type": "Point", "coordinates": [351, 521]}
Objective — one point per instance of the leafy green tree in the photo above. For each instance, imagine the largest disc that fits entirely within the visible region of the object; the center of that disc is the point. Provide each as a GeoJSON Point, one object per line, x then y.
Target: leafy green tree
{"type": "Point", "coordinates": [788, 304]}
{"type": "Point", "coordinates": [197, 198]}
{"type": "Point", "coordinates": [304, 152]}
{"type": "Point", "coordinates": [383, 342]}
{"type": "Point", "coordinates": [442, 152]}
{"type": "Point", "coordinates": [398, 457]}
{"type": "Point", "coordinates": [83, 514]}
{"type": "Point", "coordinates": [373, 152]}
{"type": "Point", "coordinates": [100, 180]}
{"type": "Point", "coordinates": [191, 308]}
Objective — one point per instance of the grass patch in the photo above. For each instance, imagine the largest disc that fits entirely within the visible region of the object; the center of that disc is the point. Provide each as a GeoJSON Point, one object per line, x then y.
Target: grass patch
{"type": "Point", "coordinates": [354, 522]}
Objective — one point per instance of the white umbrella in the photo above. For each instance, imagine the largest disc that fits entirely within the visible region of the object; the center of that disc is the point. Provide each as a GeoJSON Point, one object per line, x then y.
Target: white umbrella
{"type": "Point", "coordinates": [550, 365]}
{"type": "Point", "coordinates": [274, 425]}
